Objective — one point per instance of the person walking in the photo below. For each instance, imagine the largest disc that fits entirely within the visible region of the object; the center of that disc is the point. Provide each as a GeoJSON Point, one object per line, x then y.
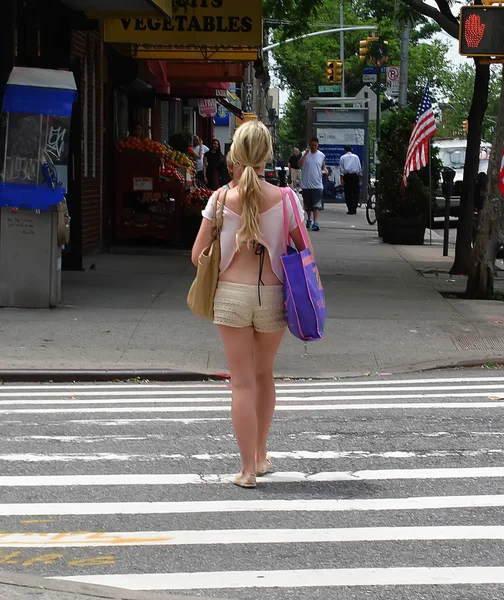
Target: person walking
{"type": "Point", "coordinates": [312, 164]}
{"type": "Point", "coordinates": [199, 150]}
{"type": "Point", "coordinates": [249, 303]}
{"type": "Point", "coordinates": [212, 165]}
{"type": "Point", "coordinates": [351, 173]}
{"type": "Point", "coordinates": [294, 169]}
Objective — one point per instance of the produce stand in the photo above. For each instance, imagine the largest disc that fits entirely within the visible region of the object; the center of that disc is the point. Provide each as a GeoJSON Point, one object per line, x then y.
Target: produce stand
{"type": "Point", "coordinates": [154, 185]}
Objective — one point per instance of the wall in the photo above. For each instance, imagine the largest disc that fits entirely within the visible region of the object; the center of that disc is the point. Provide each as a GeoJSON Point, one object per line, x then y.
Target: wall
{"type": "Point", "coordinates": [88, 47]}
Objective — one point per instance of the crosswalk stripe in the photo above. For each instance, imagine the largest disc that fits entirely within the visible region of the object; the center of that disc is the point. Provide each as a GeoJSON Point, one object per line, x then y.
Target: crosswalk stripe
{"type": "Point", "coordinates": [90, 539]}
{"type": "Point", "coordinates": [280, 408]}
{"type": "Point", "coordinates": [204, 400]}
{"type": "Point", "coordinates": [240, 506]}
{"type": "Point", "coordinates": [72, 395]}
{"type": "Point", "coordinates": [278, 477]}
{"type": "Point", "coordinates": [304, 578]}
{"type": "Point", "coordinates": [280, 384]}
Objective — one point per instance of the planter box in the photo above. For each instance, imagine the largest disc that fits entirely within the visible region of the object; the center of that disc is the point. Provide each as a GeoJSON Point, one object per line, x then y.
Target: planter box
{"type": "Point", "coordinates": [394, 230]}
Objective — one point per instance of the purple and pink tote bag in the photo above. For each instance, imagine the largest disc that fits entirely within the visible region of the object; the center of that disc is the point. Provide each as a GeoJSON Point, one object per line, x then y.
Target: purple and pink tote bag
{"type": "Point", "coordinates": [303, 294]}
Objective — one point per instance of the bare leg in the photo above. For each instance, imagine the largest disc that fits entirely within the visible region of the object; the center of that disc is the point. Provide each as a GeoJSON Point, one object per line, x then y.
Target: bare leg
{"type": "Point", "coordinates": [266, 348]}
{"type": "Point", "coordinates": [239, 349]}
{"type": "Point", "coordinates": [315, 215]}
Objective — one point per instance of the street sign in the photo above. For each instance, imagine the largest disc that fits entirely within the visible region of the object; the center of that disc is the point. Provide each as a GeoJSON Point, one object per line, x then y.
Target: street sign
{"type": "Point", "coordinates": [481, 31]}
{"type": "Point", "coordinates": [369, 78]}
{"type": "Point", "coordinates": [393, 81]}
{"type": "Point", "coordinates": [329, 88]}
{"type": "Point", "coordinates": [368, 70]}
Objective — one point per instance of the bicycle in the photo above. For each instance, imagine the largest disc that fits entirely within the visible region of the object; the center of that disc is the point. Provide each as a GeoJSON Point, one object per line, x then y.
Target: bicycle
{"type": "Point", "coordinates": [371, 206]}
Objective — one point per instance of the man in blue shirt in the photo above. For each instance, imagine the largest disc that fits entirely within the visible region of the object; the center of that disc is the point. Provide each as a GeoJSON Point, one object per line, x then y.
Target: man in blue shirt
{"type": "Point", "coordinates": [312, 164]}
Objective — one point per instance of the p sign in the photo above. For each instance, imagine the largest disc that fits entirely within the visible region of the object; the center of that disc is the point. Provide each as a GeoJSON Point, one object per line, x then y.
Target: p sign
{"type": "Point", "coordinates": [393, 81]}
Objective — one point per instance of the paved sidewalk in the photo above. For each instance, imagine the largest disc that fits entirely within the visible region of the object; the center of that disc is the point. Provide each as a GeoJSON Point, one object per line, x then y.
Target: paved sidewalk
{"type": "Point", "coordinates": [27, 587]}
{"type": "Point", "coordinates": [385, 313]}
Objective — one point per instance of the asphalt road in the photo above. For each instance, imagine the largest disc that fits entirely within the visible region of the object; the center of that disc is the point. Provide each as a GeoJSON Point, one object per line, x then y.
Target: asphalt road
{"type": "Point", "coordinates": [389, 487]}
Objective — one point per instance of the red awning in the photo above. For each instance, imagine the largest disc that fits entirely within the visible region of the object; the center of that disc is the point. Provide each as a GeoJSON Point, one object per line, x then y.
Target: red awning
{"type": "Point", "coordinates": [186, 89]}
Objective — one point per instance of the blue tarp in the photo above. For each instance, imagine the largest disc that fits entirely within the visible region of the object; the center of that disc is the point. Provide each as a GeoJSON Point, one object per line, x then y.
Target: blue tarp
{"type": "Point", "coordinates": [38, 100]}
{"type": "Point", "coordinates": [18, 195]}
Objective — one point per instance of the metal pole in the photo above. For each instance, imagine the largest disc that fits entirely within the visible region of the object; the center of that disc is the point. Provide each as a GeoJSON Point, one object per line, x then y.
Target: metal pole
{"type": "Point", "coordinates": [378, 101]}
{"type": "Point", "coordinates": [430, 194]}
{"type": "Point", "coordinates": [314, 33]}
{"type": "Point", "coordinates": [342, 50]}
{"type": "Point", "coordinates": [403, 73]}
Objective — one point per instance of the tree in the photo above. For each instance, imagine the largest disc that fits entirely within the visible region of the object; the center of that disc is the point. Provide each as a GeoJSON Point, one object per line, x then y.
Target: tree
{"type": "Point", "coordinates": [292, 16]}
{"type": "Point", "coordinates": [444, 17]}
{"type": "Point", "coordinates": [300, 66]}
{"type": "Point", "coordinates": [480, 283]}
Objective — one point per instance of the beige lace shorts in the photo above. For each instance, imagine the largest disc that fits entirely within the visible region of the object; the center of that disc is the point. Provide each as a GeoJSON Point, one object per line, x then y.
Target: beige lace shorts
{"type": "Point", "coordinates": [237, 305]}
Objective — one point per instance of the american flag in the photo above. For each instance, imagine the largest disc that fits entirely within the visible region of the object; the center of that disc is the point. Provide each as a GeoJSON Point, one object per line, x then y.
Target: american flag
{"type": "Point", "coordinates": [418, 148]}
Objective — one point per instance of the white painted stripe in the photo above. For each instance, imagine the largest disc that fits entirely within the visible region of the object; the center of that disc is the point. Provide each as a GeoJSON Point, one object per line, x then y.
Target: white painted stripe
{"type": "Point", "coordinates": [91, 539]}
{"type": "Point", "coordinates": [196, 400]}
{"type": "Point", "coordinates": [278, 477]}
{"type": "Point", "coordinates": [209, 385]}
{"type": "Point", "coordinates": [239, 506]}
{"type": "Point", "coordinates": [305, 578]}
{"type": "Point", "coordinates": [227, 392]}
{"type": "Point", "coordinates": [294, 455]}
{"type": "Point", "coordinates": [280, 408]}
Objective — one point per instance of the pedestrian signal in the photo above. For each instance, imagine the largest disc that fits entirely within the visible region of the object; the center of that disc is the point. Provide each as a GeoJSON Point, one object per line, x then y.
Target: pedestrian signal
{"type": "Point", "coordinates": [481, 31]}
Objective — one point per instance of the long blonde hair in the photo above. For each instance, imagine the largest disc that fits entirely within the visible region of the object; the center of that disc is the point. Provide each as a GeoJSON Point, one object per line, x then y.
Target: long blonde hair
{"type": "Point", "coordinates": [251, 149]}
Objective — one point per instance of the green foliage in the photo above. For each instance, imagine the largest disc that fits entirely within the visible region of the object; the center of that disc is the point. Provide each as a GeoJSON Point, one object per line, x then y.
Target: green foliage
{"type": "Point", "coordinates": [297, 12]}
{"type": "Point", "coordinates": [414, 201]}
{"type": "Point", "coordinates": [293, 126]}
{"type": "Point", "coordinates": [455, 109]}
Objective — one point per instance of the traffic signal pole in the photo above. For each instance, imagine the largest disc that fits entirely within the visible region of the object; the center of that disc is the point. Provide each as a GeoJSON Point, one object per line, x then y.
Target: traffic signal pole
{"type": "Point", "coordinates": [378, 101]}
{"type": "Point", "coordinates": [342, 50]}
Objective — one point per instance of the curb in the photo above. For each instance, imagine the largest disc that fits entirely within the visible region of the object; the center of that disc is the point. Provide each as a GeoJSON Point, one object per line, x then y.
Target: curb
{"type": "Point", "coordinates": [28, 586]}
{"type": "Point", "coordinates": [107, 375]}
{"type": "Point", "coordinates": [77, 375]}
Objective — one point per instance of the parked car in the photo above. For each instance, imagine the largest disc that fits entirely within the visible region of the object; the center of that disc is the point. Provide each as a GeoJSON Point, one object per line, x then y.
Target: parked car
{"type": "Point", "coordinates": [270, 174]}
{"type": "Point", "coordinates": [452, 154]}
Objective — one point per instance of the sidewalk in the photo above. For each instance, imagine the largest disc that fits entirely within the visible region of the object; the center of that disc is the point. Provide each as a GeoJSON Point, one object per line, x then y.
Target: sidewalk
{"type": "Point", "coordinates": [385, 313]}
{"type": "Point", "coordinates": [27, 587]}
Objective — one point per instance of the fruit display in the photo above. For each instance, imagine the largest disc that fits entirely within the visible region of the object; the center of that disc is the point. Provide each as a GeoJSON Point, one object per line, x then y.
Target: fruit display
{"type": "Point", "coordinates": [196, 200]}
{"type": "Point", "coordinates": [170, 171]}
{"type": "Point", "coordinates": [171, 156]}
{"type": "Point", "coordinates": [145, 145]}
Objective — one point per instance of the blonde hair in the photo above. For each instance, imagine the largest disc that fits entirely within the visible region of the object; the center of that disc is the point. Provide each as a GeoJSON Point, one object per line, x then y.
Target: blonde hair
{"type": "Point", "coordinates": [251, 149]}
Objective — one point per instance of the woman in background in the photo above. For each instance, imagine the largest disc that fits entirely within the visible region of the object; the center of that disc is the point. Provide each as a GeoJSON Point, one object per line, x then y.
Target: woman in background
{"type": "Point", "coordinates": [212, 165]}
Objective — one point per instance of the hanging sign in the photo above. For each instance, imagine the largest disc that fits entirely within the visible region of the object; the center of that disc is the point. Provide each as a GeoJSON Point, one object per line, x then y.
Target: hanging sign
{"type": "Point", "coordinates": [207, 107]}
{"type": "Point", "coordinates": [194, 23]}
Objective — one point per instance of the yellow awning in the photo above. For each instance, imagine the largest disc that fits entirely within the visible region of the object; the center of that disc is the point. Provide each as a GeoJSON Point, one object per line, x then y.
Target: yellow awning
{"type": "Point", "coordinates": [117, 9]}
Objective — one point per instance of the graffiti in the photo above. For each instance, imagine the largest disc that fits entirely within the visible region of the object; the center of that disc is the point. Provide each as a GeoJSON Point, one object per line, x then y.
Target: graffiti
{"type": "Point", "coordinates": [56, 142]}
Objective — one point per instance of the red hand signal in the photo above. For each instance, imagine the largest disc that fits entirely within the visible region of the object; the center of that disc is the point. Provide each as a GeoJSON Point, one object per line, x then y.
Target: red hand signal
{"type": "Point", "coordinates": [474, 31]}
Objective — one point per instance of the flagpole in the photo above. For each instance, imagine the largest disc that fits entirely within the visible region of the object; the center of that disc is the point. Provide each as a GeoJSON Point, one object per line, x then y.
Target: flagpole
{"type": "Point", "coordinates": [430, 193]}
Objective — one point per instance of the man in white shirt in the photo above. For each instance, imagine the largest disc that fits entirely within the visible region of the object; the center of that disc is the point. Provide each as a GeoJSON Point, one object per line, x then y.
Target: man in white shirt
{"type": "Point", "coordinates": [350, 169]}
{"type": "Point", "coordinates": [312, 164]}
{"type": "Point", "coordinates": [199, 149]}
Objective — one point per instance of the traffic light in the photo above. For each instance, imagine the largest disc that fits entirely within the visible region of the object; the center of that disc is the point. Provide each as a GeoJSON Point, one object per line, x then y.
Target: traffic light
{"type": "Point", "coordinates": [364, 49]}
{"type": "Point", "coordinates": [338, 71]}
{"type": "Point", "coordinates": [481, 31]}
{"type": "Point", "coordinates": [330, 72]}
{"type": "Point", "coordinates": [465, 125]}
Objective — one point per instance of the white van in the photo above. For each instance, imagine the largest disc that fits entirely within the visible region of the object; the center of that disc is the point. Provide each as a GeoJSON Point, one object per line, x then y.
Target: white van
{"type": "Point", "coordinates": [453, 152]}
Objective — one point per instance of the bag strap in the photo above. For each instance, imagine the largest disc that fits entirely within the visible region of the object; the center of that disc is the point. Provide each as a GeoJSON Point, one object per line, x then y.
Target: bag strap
{"type": "Point", "coordinates": [288, 192]}
{"type": "Point", "coordinates": [218, 215]}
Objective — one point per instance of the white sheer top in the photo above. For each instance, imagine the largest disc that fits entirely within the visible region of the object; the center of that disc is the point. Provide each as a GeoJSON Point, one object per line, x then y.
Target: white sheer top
{"type": "Point", "coordinates": [271, 225]}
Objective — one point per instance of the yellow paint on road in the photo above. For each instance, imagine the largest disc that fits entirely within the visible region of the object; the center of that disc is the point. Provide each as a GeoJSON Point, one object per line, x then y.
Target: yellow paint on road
{"type": "Point", "coordinates": [81, 539]}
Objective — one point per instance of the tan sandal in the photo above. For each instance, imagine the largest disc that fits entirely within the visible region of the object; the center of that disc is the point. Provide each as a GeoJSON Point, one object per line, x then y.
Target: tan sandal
{"type": "Point", "coordinates": [245, 481]}
{"type": "Point", "coordinates": [263, 467]}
